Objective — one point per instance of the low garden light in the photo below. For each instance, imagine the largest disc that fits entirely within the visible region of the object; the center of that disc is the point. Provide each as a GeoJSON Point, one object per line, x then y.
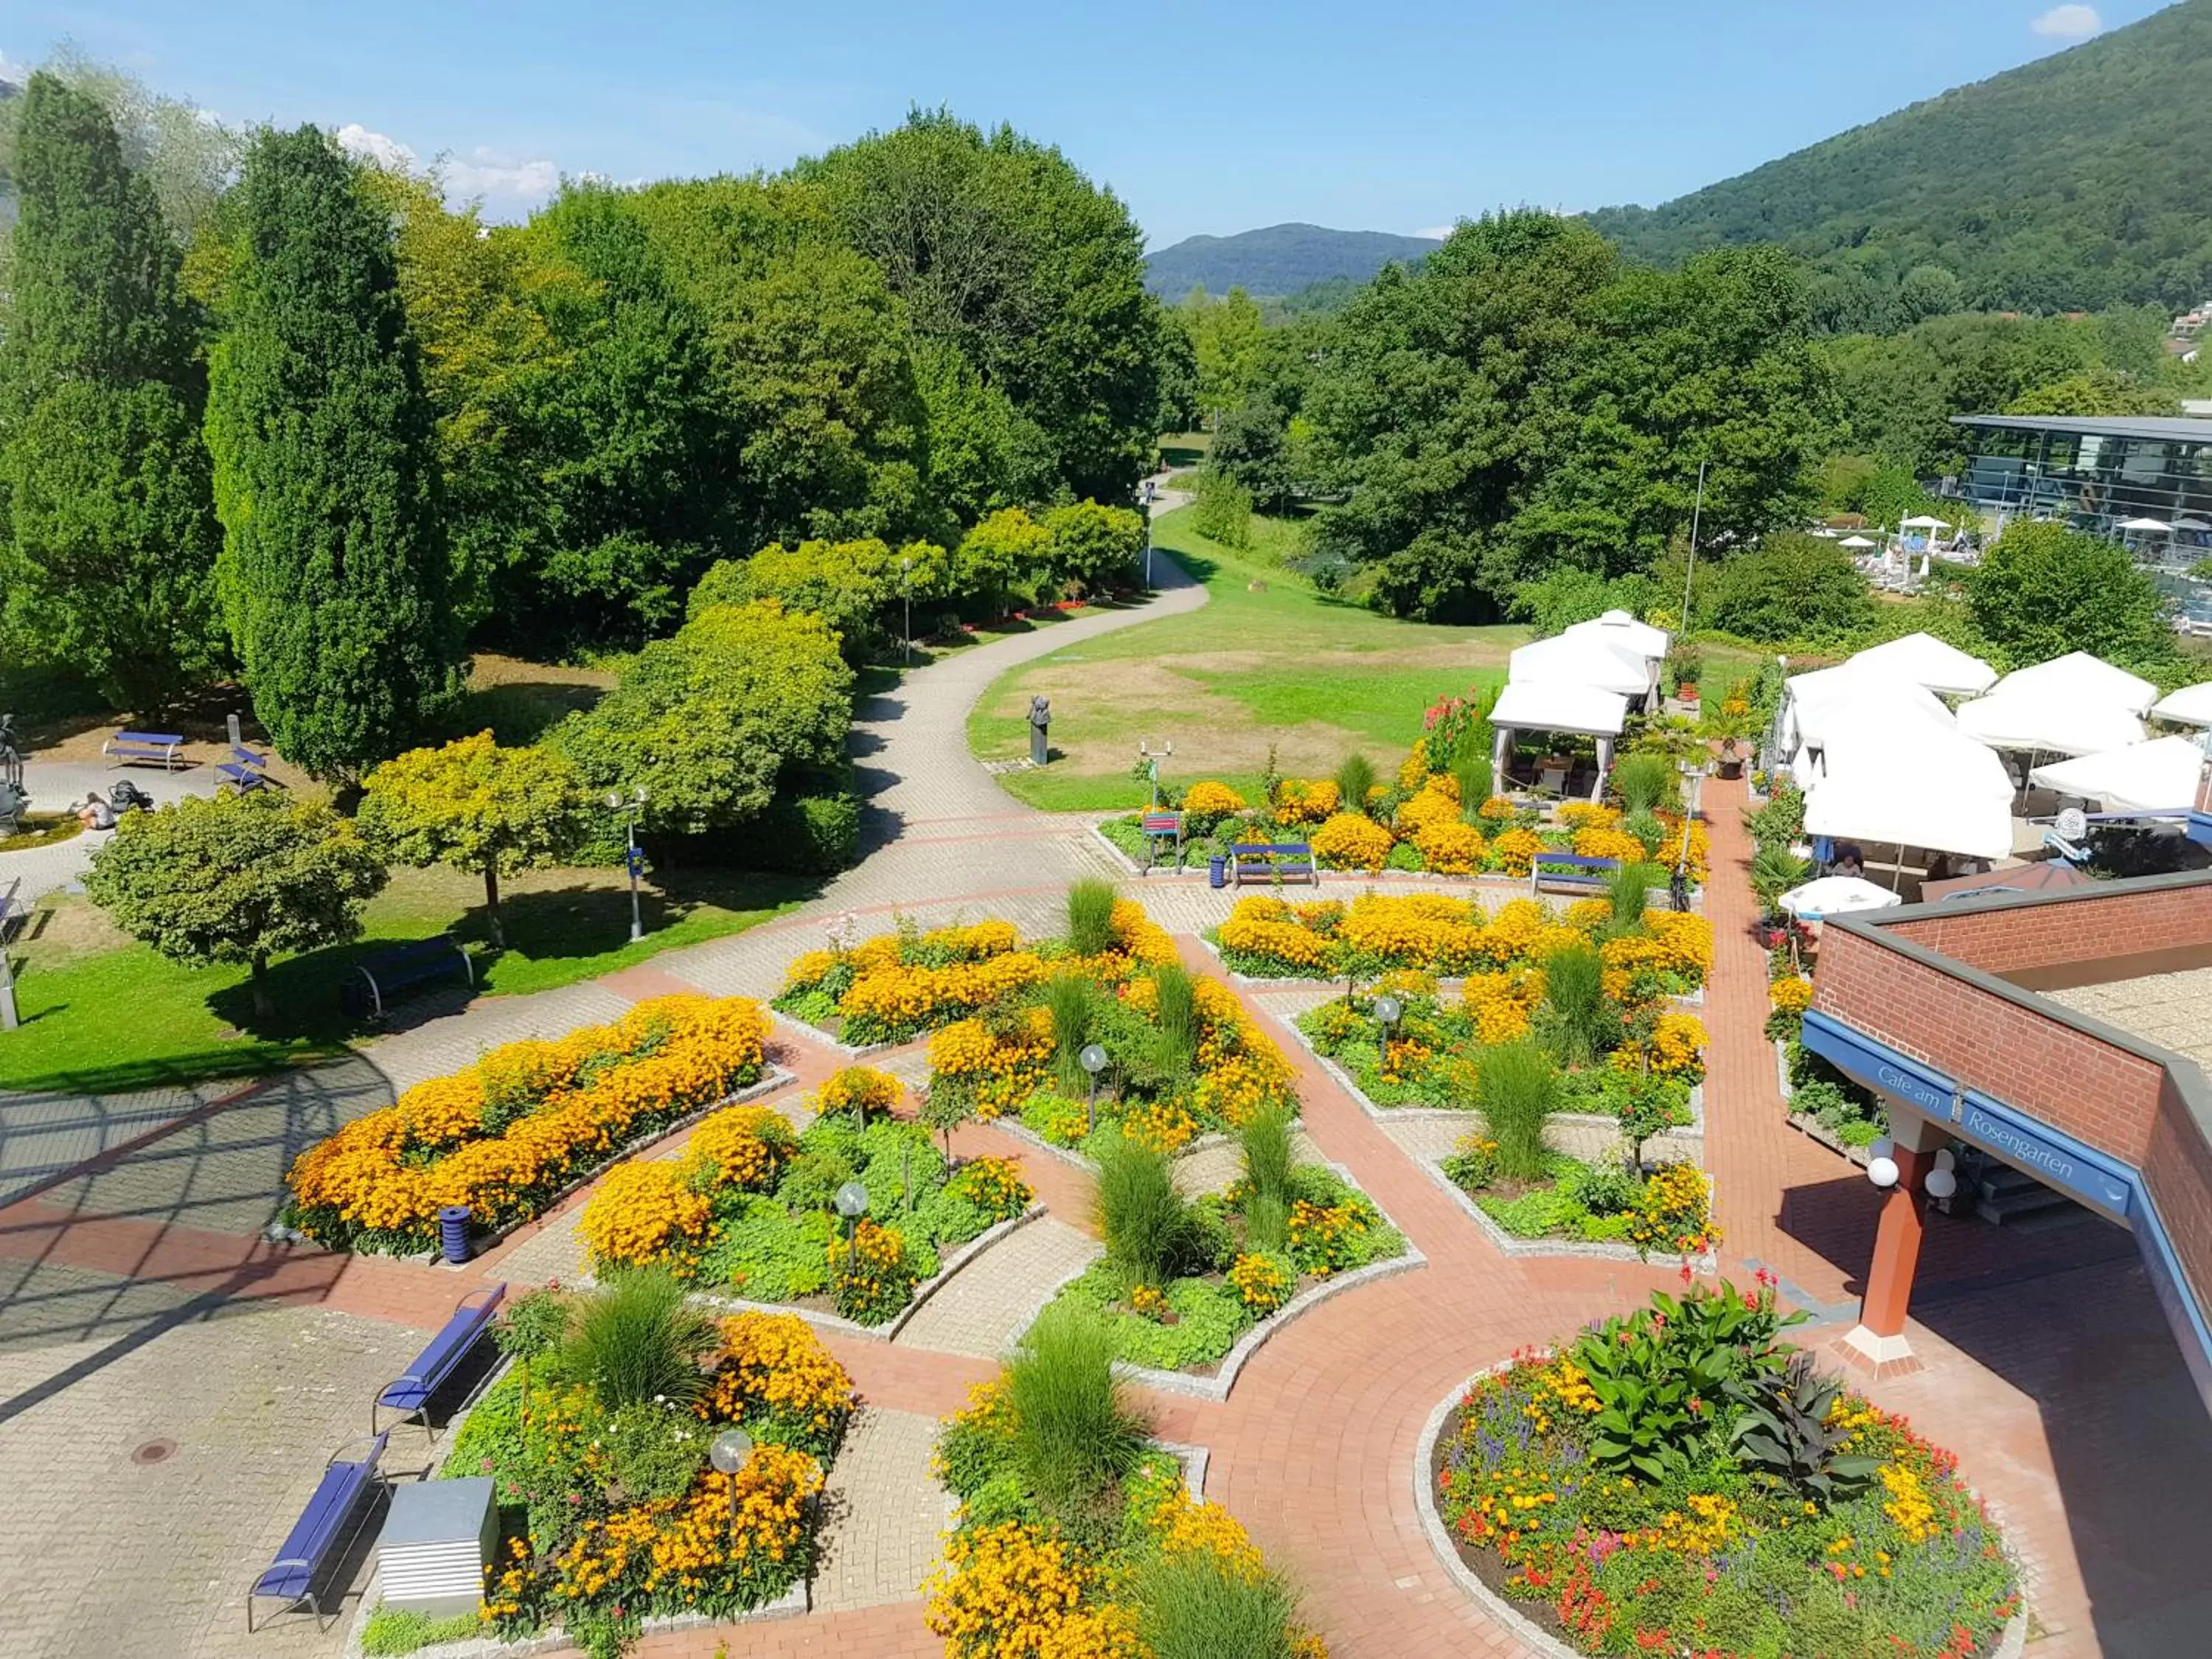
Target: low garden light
{"type": "Point", "coordinates": [630, 807]}
{"type": "Point", "coordinates": [1093, 1059]}
{"type": "Point", "coordinates": [851, 1203]}
{"type": "Point", "coordinates": [1387, 1011]}
{"type": "Point", "coordinates": [1882, 1171]}
{"type": "Point", "coordinates": [1941, 1183]}
{"type": "Point", "coordinates": [728, 1454]}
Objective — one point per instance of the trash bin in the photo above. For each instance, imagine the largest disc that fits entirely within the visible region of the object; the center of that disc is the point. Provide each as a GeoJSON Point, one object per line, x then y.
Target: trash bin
{"type": "Point", "coordinates": [1217, 871]}
{"type": "Point", "coordinates": [453, 1232]}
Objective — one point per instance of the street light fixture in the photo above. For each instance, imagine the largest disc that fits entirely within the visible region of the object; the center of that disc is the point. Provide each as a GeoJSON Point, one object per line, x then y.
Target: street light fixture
{"type": "Point", "coordinates": [632, 858]}
{"type": "Point", "coordinates": [1152, 759]}
{"type": "Point", "coordinates": [1388, 1010]}
{"type": "Point", "coordinates": [1093, 1059]}
{"type": "Point", "coordinates": [728, 1454]}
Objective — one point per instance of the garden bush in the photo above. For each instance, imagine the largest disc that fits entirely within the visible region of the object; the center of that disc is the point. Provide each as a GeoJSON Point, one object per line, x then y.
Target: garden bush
{"type": "Point", "coordinates": [1516, 1089]}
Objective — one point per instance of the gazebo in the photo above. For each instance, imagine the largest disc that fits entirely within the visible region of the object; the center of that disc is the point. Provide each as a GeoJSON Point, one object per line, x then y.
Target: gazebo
{"type": "Point", "coordinates": [2157, 776]}
{"type": "Point", "coordinates": [1557, 706]}
{"type": "Point", "coordinates": [1581, 659]}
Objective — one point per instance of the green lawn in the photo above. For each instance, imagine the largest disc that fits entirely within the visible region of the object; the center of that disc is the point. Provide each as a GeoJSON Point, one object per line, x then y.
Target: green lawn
{"type": "Point", "coordinates": [1268, 660]}
{"type": "Point", "coordinates": [102, 1014]}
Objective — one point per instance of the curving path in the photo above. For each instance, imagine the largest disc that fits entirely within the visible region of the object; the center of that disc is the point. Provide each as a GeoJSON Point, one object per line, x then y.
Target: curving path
{"type": "Point", "coordinates": [1313, 1449]}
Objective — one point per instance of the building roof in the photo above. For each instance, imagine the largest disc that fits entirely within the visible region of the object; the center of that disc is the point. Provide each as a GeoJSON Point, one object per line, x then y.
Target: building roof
{"type": "Point", "coordinates": [2161, 428]}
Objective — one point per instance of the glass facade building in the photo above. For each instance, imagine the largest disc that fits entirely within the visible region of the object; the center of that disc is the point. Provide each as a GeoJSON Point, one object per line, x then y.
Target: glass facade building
{"type": "Point", "coordinates": [2096, 473]}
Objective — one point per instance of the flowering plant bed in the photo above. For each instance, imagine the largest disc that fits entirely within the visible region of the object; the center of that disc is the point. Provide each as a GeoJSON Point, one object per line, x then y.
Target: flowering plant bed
{"type": "Point", "coordinates": [1680, 1481]}
{"type": "Point", "coordinates": [1089, 1556]}
{"type": "Point", "coordinates": [1666, 1208]}
{"type": "Point", "coordinates": [1190, 1323]}
{"type": "Point", "coordinates": [508, 1134]}
{"type": "Point", "coordinates": [748, 1209]}
{"type": "Point", "coordinates": [610, 1511]}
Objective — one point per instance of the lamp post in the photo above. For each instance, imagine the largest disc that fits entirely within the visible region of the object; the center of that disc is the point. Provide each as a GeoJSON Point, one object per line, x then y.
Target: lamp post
{"type": "Point", "coordinates": [632, 857]}
{"type": "Point", "coordinates": [1152, 489]}
{"type": "Point", "coordinates": [1386, 1011]}
{"type": "Point", "coordinates": [1093, 1061]}
{"type": "Point", "coordinates": [729, 1453]}
{"type": "Point", "coordinates": [906, 593]}
{"type": "Point", "coordinates": [851, 1203]}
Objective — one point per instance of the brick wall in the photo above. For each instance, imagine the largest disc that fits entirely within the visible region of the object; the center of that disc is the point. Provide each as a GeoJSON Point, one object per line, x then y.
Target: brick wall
{"type": "Point", "coordinates": [2179, 1172]}
{"type": "Point", "coordinates": [2120, 924]}
{"type": "Point", "coordinates": [2101, 1095]}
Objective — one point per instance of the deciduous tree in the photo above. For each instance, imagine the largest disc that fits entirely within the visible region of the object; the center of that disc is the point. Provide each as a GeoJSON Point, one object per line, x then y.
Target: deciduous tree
{"type": "Point", "coordinates": [2045, 590]}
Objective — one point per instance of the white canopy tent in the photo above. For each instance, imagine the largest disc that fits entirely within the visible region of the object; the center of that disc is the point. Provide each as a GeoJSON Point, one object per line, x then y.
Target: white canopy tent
{"type": "Point", "coordinates": [2040, 721]}
{"type": "Point", "coordinates": [1923, 661]}
{"type": "Point", "coordinates": [1581, 659]}
{"type": "Point", "coordinates": [1827, 697]}
{"type": "Point", "coordinates": [1931, 809]}
{"type": "Point", "coordinates": [2079, 676]}
{"type": "Point", "coordinates": [1908, 751]}
{"type": "Point", "coordinates": [1619, 628]}
{"type": "Point", "coordinates": [1830, 895]}
{"type": "Point", "coordinates": [1553, 706]}
{"type": "Point", "coordinates": [2191, 705]}
{"type": "Point", "coordinates": [2155, 776]}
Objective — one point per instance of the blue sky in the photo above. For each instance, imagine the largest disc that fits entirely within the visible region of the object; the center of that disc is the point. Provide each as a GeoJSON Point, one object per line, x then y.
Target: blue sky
{"type": "Point", "coordinates": [1217, 118]}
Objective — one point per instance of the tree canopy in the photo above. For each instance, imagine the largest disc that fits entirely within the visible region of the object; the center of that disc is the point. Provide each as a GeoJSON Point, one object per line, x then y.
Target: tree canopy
{"type": "Point", "coordinates": [2045, 590]}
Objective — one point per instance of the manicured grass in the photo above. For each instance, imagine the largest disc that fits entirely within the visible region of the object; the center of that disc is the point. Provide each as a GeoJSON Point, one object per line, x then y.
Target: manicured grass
{"type": "Point", "coordinates": [102, 1014]}
{"type": "Point", "coordinates": [1268, 660]}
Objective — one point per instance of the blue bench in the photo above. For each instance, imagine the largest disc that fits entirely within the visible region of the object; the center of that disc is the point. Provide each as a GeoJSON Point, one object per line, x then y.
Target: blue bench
{"type": "Point", "coordinates": [410, 1395]}
{"type": "Point", "coordinates": [165, 748]}
{"type": "Point", "coordinates": [314, 1536]}
{"type": "Point", "coordinates": [1289, 861]}
{"type": "Point", "coordinates": [1569, 873]}
{"type": "Point", "coordinates": [248, 770]}
{"type": "Point", "coordinates": [379, 979]}
{"type": "Point", "coordinates": [1159, 826]}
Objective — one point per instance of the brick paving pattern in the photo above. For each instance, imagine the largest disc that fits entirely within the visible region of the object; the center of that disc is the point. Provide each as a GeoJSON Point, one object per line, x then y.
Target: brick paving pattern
{"type": "Point", "coordinates": [884, 1513]}
{"type": "Point", "coordinates": [988, 1304]}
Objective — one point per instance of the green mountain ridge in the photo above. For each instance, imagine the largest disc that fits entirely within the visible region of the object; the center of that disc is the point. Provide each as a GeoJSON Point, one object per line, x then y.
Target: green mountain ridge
{"type": "Point", "coordinates": [1277, 260]}
{"type": "Point", "coordinates": [2076, 182]}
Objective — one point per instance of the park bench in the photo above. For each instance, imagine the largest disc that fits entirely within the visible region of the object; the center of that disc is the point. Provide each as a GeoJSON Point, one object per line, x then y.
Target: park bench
{"type": "Point", "coordinates": [1569, 873]}
{"type": "Point", "coordinates": [409, 1395]}
{"type": "Point", "coordinates": [1290, 860]}
{"type": "Point", "coordinates": [127, 748]}
{"type": "Point", "coordinates": [377, 979]}
{"type": "Point", "coordinates": [314, 1536]}
{"type": "Point", "coordinates": [247, 770]}
{"type": "Point", "coordinates": [1157, 828]}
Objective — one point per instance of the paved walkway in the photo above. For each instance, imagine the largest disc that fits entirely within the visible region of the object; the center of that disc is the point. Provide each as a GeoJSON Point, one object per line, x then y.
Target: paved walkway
{"type": "Point", "coordinates": [138, 1295]}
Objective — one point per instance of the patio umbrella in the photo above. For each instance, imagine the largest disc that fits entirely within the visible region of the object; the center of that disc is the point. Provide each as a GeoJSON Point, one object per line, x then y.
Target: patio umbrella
{"type": "Point", "coordinates": [1832, 895]}
{"type": "Point", "coordinates": [2048, 875]}
{"type": "Point", "coordinates": [2191, 705]}
{"type": "Point", "coordinates": [2156, 777]}
{"type": "Point", "coordinates": [1924, 521]}
{"type": "Point", "coordinates": [1925, 661]}
{"type": "Point", "coordinates": [2079, 675]}
{"type": "Point", "coordinates": [1855, 541]}
{"type": "Point", "coordinates": [2143, 524]}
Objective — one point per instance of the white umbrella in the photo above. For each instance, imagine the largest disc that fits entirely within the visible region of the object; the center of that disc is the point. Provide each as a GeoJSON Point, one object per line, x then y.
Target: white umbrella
{"type": "Point", "coordinates": [2077, 675]}
{"type": "Point", "coordinates": [1926, 522]}
{"type": "Point", "coordinates": [2035, 720]}
{"type": "Point", "coordinates": [2191, 706]}
{"type": "Point", "coordinates": [1855, 541]}
{"type": "Point", "coordinates": [2191, 524]}
{"type": "Point", "coordinates": [2144, 777]}
{"type": "Point", "coordinates": [1833, 895]}
{"type": "Point", "coordinates": [2143, 524]}
{"type": "Point", "coordinates": [1581, 660]}
{"type": "Point", "coordinates": [1925, 661]}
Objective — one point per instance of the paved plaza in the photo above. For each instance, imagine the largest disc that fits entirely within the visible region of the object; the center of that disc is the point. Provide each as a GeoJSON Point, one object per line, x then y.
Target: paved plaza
{"type": "Point", "coordinates": [139, 1309]}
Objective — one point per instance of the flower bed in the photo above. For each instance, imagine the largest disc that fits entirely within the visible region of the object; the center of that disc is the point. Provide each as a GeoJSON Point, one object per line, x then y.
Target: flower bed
{"type": "Point", "coordinates": [1087, 1573]}
{"type": "Point", "coordinates": [748, 1209]}
{"type": "Point", "coordinates": [508, 1134]}
{"type": "Point", "coordinates": [1666, 1208]}
{"type": "Point", "coordinates": [1817, 1092]}
{"type": "Point", "coordinates": [609, 1510]}
{"type": "Point", "coordinates": [1680, 1481]}
{"type": "Point", "coordinates": [1191, 1324]}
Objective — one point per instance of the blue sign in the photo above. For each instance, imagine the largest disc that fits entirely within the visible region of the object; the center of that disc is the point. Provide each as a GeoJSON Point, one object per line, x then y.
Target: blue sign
{"type": "Point", "coordinates": [2053, 1158]}
{"type": "Point", "coordinates": [1878, 1066]}
{"type": "Point", "coordinates": [636, 860]}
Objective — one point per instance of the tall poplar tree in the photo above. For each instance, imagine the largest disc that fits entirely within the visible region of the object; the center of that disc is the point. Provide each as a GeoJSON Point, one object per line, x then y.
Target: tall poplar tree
{"type": "Point", "coordinates": [335, 573]}
{"type": "Point", "coordinates": [107, 560]}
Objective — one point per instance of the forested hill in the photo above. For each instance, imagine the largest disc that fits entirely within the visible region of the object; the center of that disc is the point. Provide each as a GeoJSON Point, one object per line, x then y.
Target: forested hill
{"type": "Point", "coordinates": [2080, 181]}
{"type": "Point", "coordinates": [1280, 260]}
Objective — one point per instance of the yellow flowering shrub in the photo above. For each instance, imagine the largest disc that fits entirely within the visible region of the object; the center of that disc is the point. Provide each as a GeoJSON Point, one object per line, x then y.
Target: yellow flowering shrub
{"type": "Point", "coordinates": [895, 1000]}
{"type": "Point", "coordinates": [1162, 1125]}
{"type": "Point", "coordinates": [873, 1274]}
{"type": "Point", "coordinates": [563, 1107]}
{"type": "Point", "coordinates": [1496, 810]}
{"type": "Point", "coordinates": [1414, 770]}
{"type": "Point", "coordinates": [1686, 943]}
{"type": "Point", "coordinates": [1515, 851]}
{"type": "Point", "coordinates": [1283, 944]}
{"type": "Point", "coordinates": [1698, 863]}
{"type": "Point", "coordinates": [1209, 799]}
{"type": "Point", "coordinates": [1435, 802]}
{"type": "Point", "coordinates": [1451, 847]}
{"type": "Point", "coordinates": [1672, 1212]}
{"type": "Point", "coordinates": [1500, 1003]}
{"type": "Point", "coordinates": [1005, 1591]}
{"type": "Point", "coordinates": [774, 1363]}
{"type": "Point", "coordinates": [993, 1185]}
{"type": "Point", "coordinates": [1603, 843]}
{"type": "Point", "coordinates": [1001, 1071]}
{"type": "Point", "coordinates": [1306, 801]}
{"type": "Point", "coordinates": [1262, 1281]}
{"type": "Point", "coordinates": [861, 1090]}
{"type": "Point", "coordinates": [1676, 1048]}
{"type": "Point", "coordinates": [646, 1212]}
{"type": "Point", "coordinates": [691, 1543]}
{"type": "Point", "coordinates": [1790, 995]}
{"type": "Point", "coordinates": [745, 1147]}
{"type": "Point", "coordinates": [1352, 841]}
{"type": "Point", "coordinates": [1587, 815]}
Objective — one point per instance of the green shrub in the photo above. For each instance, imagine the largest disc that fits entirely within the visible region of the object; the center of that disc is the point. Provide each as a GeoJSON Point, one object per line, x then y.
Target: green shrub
{"type": "Point", "coordinates": [1628, 889]}
{"type": "Point", "coordinates": [1602, 1188]}
{"type": "Point", "coordinates": [392, 1630]}
{"type": "Point", "coordinates": [812, 828]}
{"type": "Point", "coordinates": [1355, 777]}
{"type": "Point", "coordinates": [1072, 1002]}
{"type": "Point", "coordinates": [1192, 1605]}
{"type": "Point", "coordinates": [1075, 1435]}
{"type": "Point", "coordinates": [1265, 1143]}
{"type": "Point", "coordinates": [1476, 780]}
{"type": "Point", "coordinates": [1175, 1020]}
{"type": "Point", "coordinates": [766, 1253]}
{"type": "Point", "coordinates": [1644, 782]}
{"type": "Point", "coordinates": [1221, 510]}
{"type": "Point", "coordinates": [1575, 1020]}
{"type": "Point", "coordinates": [1091, 917]}
{"type": "Point", "coordinates": [636, 1340]}
{"type": "Point", "coordinates": [1151, 1233]}
{"type": "Point", "coordinates": [1517, 1088]}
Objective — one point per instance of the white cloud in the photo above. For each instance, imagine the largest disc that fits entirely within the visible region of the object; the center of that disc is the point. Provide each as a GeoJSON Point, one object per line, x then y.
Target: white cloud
{"type": "Point", "coordinates": [12, 71]}
{"type": "Point", "coordinates": [1436, 233]}
{"type": "Point", "coordinates": [503, 182]}
{"type": "Point", "coordinates": [2069, 23]}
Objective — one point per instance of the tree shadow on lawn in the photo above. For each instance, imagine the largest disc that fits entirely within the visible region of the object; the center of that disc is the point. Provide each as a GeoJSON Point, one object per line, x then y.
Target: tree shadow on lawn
{"type": "Point", "coordinates": [520, 712]}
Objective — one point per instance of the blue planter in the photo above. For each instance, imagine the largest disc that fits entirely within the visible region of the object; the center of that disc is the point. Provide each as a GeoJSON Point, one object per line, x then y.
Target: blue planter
{"type": "Point", "coordinates": [453, 1232]}
{"type": "Point", "coordinates": [1217, 871]}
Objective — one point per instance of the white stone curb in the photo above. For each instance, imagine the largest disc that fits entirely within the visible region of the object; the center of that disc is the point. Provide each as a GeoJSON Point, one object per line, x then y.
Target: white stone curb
{"type": "Point", "coordinates": [815, 1034]}
{"type": "Point", "coordinates": [1586, 1249]}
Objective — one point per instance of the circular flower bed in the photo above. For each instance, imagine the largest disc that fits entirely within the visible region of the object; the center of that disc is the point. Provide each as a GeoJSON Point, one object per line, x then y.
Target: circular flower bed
{"type": "Point", "coordinates": [1680, 1481]}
